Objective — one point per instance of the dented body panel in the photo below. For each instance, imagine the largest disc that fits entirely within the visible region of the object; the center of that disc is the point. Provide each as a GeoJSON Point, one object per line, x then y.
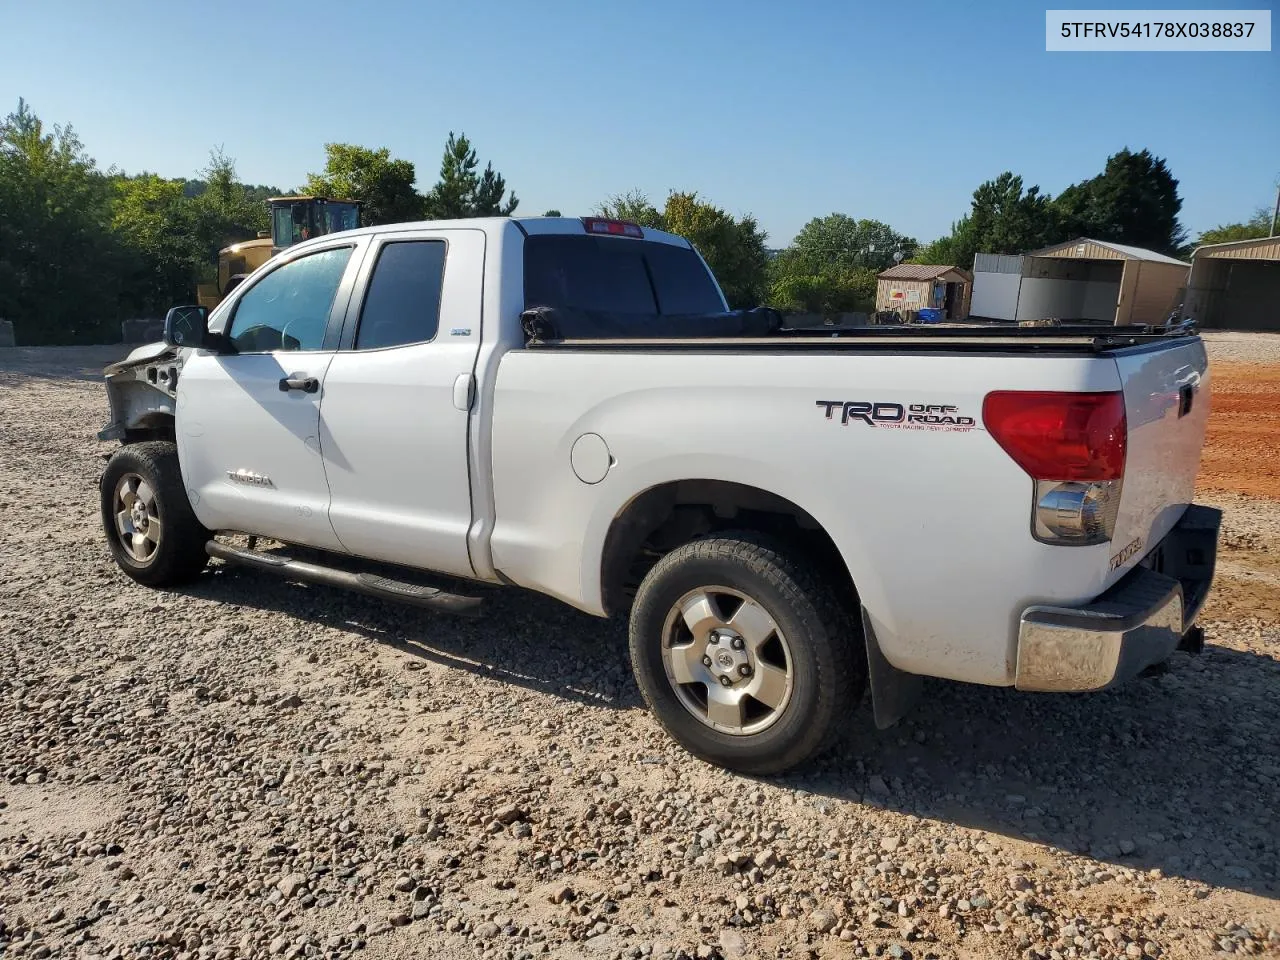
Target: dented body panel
{"type": "Point", "coordinates": [142, 390]}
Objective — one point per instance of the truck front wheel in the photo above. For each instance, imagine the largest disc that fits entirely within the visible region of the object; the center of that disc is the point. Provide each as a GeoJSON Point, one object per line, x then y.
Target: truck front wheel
{"type": "Point", "coordinates": [151, 530]}
{"type": "Point", "coordinates": [742, 653]}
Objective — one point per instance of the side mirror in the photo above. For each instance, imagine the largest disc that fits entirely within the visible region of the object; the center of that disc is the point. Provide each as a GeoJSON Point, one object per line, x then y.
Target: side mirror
{"type": "Point", "coordinates": [186, 326]}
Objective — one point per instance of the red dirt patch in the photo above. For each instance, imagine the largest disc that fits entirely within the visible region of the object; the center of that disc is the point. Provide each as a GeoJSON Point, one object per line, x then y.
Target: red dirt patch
{"type": "Point", "coordinates": [1242, 449]}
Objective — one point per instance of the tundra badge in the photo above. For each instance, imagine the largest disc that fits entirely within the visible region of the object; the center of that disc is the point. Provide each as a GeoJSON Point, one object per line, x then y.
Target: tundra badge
{"type": "Point", "coordinates": [249, 477]}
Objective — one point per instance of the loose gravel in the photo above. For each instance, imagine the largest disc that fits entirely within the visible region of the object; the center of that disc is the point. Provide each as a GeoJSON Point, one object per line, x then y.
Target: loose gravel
{"type": "Point", "coordinates": [248, 768]}
{"type": "Point", "coordinates": [1238, 346]}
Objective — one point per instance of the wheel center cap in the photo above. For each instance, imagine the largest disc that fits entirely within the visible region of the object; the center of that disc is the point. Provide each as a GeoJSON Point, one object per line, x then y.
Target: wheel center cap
{"type": "Point", "coordinates": [726, 659]}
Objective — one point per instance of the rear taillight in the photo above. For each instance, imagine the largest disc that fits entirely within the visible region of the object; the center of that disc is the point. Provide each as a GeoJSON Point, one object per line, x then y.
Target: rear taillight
{"type": "Point", "coordinates": [1060, 436]}
{"type": "Point", "coordinates": [1073, 446]}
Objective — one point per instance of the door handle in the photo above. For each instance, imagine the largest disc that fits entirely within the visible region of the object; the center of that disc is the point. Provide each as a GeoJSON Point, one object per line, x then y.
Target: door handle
{"type": "Point", "coordinates": [305, 384]}
{"type": "Point", "coordinates": [1185, 397]}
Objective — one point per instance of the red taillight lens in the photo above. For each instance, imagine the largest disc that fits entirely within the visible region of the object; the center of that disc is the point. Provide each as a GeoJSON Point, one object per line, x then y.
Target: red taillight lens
{"type": "Point", "coordinates": [1060, 436]}
{"type": "Point", "coordinates": [616, 228]}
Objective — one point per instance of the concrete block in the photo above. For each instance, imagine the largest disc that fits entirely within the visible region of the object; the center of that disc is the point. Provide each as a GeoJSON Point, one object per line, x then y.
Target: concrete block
{"type": "Point", "coordinates": [141, 330]}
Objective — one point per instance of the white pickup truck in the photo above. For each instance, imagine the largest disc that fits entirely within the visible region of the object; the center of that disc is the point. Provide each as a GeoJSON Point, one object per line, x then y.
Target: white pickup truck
{"type": "Point", "coordinates": [789, 516]}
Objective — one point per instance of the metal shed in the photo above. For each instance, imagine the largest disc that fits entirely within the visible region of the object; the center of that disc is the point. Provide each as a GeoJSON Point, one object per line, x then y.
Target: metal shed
{"type": "Point", "coordinates": [1083, 279]}
{"type": "Point", "coordinates": [1235, 285]}
{"type": "Point", "coordinates": [911, 286]}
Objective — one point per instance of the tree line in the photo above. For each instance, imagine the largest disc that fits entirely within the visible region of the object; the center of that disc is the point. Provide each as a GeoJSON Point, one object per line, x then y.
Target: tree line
{"type": "Point", "coordinates": [82, 248]}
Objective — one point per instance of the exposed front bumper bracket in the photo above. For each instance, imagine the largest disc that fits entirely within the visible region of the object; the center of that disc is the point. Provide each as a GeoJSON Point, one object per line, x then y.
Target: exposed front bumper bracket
{"type": "Point", "coordinates": [1140, 621]}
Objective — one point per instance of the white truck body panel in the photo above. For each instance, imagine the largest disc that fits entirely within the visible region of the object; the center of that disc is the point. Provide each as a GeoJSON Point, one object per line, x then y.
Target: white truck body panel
{"type": "Point", "coordinates": [233, 417]}
{"type": "Point", "coordinates": [1163, 454]}
{"type": "Point", "coordinates": [938, 544]}
{"type": "Point", "coordinates": [390, 461]}
{"type": "Point", "coordinates": [395, 439]}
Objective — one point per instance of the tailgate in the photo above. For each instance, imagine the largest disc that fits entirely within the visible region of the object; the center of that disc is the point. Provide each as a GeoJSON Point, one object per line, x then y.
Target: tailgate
{"type": "Point", "coordinates": [1166, 397]}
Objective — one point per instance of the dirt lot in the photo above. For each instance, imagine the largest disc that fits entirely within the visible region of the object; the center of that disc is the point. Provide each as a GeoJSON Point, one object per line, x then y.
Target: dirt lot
{"type": "Point", "coordinates": [1243, 452]}
{"type": "Point", "coordinates": [249, 768]}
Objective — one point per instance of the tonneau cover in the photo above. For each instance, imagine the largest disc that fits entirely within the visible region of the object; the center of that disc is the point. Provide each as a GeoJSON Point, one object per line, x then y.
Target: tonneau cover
{"type": "Point", "coordinates": [542, 324]}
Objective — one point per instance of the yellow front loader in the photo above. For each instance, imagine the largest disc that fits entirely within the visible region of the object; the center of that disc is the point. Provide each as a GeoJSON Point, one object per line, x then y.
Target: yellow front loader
{"type": "Point", "coordinates": [293, 219]}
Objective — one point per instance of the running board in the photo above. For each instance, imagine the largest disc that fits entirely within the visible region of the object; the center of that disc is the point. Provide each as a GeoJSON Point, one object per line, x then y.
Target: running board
{"type": "Point", "coordinates": [367, 583]}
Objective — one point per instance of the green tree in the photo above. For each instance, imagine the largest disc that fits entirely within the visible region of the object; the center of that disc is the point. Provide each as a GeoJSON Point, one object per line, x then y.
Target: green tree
{"type": "Point", "coordinates": [840, 241]}
{"type": "Point", "coordinates": [945, 250]}
{"type": "Point", "coordinates": [229, 201]}
{"type": "Point", "coordinates": [831, 265]}
{"type": "Point", "coordinates": [225, 212]}
{"type": "Point", "coordinates": [553, 213]}
{"type": "Point", "coordinates": [59, 261]}
{"type": "Point", "coordinates": [1134, 201]}
{"type": "Point", "coordinates": [1256, 227]}
{"type": "Point", "coordinates": [733, 248]}
{"type": "Point", "coordinates": [795, 286]}
{"type": "Point", "coordinates": [1003, 218]}
{"type": "Point", "coordinates": [461, 192]}
{"type": "Point", "coordinates": [160, 227]}
{"type": "Point", "coordinates": [257, 192]}
{"type": "Point", "coordinates": [633, 206]}
{"type": "Point", "coordinates": [384, 186]}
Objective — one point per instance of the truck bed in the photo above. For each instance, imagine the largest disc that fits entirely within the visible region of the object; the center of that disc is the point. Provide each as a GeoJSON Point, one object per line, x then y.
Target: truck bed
{"type": "Point", "coordinates": [933, 521]}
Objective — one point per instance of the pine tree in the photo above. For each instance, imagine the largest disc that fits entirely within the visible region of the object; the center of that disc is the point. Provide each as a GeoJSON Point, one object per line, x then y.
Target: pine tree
{"type": "Point", "coordinates": [461, 192]}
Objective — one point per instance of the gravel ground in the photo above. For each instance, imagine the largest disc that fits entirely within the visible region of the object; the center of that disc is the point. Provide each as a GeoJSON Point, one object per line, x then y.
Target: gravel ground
{"type": "Point", "coordinates": [250, 768]}
{"type": "Point", "coordinates": [1236, 346]}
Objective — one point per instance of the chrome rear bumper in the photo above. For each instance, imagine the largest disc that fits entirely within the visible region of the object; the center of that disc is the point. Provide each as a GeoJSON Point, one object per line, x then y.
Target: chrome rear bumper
{"type": "Point", "coordinates": [1140, 621]}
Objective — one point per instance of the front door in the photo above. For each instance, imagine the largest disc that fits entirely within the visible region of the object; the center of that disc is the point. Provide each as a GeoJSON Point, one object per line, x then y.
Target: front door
{"type": "Point", "coordinates": [397, 396]}
{"type": "Point", "coordinates": [248, 421]}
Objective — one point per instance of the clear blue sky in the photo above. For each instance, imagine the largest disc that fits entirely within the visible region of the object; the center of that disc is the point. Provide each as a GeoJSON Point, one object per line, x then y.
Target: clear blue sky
{"type": "Point", "coordinates": [895, 111]}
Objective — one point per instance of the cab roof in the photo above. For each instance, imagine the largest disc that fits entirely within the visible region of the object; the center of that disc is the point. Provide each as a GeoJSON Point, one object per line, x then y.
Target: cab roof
{"type": "Point", "coordinates": [297, 198]}
{"type": "Point", "coordinates": [529, 226]}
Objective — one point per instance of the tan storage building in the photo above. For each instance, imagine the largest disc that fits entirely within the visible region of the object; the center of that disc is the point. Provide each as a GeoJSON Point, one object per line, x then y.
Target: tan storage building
{"type": "Point", "coordinates": [1081, 280]}
{"type": "Point", "coordinates": [907, 287]}
{"type": "Point", "coordinates": [1235, 285]}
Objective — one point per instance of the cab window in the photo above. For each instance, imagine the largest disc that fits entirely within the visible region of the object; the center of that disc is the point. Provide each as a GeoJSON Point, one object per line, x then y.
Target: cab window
{"type": "Point", "coordinates": [289, 308]}
{"type": "Point", "coordinates": [403, 302]}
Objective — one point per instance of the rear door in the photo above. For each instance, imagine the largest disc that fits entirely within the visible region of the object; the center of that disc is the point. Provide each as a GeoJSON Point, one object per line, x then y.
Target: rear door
{"type": "Point", "coordinates": [1166, 398]}
{"type": "Point", "coordinates": [248, 422]}
{"type": "Point", "coordinates": [397, 396]}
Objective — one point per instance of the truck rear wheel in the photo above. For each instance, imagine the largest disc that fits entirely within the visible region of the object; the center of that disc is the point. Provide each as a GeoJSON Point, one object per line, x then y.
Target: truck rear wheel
{"type": "Point", "coordinates": [742, 653]}
{"type": "Point", "coordinates": [151, 530]}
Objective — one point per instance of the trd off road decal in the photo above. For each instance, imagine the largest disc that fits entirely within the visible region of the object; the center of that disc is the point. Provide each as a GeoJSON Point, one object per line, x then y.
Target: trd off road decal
{"type": "Point", "coordinates": [895, 416]}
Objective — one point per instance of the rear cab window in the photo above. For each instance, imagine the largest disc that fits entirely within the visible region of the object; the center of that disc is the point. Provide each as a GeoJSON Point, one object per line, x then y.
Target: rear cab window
{"type": "Point", "coordinates": [617, 275]}
{"type": "Point", "coordinates": [402, 305]}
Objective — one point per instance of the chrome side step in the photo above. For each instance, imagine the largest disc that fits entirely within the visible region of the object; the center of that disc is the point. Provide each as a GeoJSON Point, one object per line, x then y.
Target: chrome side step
{"type": "Point", "coordinates": [367, 583]}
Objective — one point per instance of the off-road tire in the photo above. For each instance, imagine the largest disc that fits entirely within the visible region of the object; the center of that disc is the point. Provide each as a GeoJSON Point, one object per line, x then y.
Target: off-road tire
{"type": "Point", "coordinates": [826, 645]}
{"type": "Point", "coordinates": [179, 556]}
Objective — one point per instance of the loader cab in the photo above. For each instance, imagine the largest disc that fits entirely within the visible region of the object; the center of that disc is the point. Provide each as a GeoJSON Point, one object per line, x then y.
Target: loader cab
{"type": "Point", "coordinates": [294, 219]}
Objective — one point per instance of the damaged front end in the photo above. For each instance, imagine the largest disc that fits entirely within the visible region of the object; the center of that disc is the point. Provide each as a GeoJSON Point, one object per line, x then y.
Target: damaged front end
{"type": "Point", "coordinates": [143, 391]}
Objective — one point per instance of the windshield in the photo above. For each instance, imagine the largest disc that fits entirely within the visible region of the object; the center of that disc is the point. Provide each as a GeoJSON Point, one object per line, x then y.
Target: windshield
{"type": "Point", "coordinates": [294, 222]}
{"type": "Point", "coordinates": [617, 275]}
{"type": "Point", "coordinates": [337, 216]}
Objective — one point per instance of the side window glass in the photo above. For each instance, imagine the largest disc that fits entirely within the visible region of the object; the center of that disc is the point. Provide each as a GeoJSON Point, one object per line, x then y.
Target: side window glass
{"type": "Point", "coordinates": [289, 308]}
{"type": "Point", "coordinates": [403, 302]}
